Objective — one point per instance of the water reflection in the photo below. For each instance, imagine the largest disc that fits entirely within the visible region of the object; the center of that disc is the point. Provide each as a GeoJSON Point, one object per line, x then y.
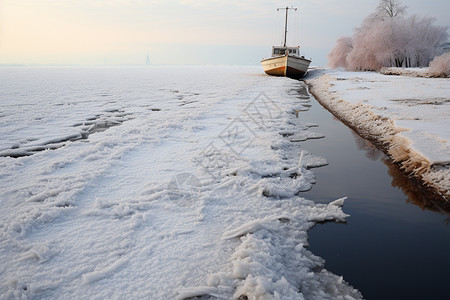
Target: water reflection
{"type": "Point", "coordinates": [370, 150]}
{"type": "Point", "coordinates": [416, 193]}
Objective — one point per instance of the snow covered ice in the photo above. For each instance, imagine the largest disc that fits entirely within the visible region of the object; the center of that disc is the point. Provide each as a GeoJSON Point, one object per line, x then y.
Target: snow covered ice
{"type": "Point", "coordinates": [158, 183]}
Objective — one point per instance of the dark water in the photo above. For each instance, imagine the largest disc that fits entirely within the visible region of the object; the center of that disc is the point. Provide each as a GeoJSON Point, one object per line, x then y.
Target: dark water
{"type": "Point", "coordinates": [396, 243]}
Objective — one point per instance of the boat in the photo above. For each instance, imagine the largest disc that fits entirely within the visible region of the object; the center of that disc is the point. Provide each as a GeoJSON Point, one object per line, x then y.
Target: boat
{"type": "Point", "coordinates": [286, 61]}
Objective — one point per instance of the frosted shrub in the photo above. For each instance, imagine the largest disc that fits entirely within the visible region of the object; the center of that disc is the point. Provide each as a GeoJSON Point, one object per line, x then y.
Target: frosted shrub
{"type": "Point", "coordinates": [440, 66]}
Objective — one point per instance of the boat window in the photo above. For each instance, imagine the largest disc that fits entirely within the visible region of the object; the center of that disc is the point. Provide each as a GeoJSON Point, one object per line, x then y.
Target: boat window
{"type": "Point", "coordinates": [278, 51]}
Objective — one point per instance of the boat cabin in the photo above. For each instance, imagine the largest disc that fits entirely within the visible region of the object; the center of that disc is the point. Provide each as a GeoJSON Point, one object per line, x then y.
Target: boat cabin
{"type": "Point", "coordinates": [280, 50]}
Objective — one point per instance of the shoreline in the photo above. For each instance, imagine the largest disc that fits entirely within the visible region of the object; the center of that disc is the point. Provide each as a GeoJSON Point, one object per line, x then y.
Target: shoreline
{"type": "Point", "coordinates": [381, 130]}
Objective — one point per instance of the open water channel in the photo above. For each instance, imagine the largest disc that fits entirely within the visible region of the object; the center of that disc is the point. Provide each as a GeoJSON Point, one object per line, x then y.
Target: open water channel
{"type": "Point", "coordinates": [396, 243]}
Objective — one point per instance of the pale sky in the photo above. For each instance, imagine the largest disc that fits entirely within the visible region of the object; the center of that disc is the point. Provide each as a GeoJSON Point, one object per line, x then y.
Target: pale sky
{"type": "Point", "coordinates": [229, 32]}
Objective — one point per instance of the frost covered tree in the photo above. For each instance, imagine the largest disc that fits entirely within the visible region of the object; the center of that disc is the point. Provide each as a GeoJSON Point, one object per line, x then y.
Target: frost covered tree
{"type": "Point", "coordinates": [337, 57]}
{"type": "Point", "coordinates": [424, 40]}
{"type": "Point", "coordinates": [387, 39]}
{"type": "Point", "coordinates": [372, 45]}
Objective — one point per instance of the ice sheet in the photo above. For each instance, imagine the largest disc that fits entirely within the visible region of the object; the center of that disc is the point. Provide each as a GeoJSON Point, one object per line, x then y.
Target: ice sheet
{"type": "Point", "coordinates": [184, 183]}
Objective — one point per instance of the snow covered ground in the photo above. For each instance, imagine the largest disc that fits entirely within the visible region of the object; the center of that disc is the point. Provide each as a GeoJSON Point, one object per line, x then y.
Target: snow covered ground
{"type": "Point", "coordinates": [409, 116]}
{"type": "Point", "coordinates": [158, 183]}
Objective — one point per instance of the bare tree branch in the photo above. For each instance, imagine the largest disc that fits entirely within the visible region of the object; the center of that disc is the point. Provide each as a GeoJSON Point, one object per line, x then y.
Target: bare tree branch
{"type": "Point", "coordinates": [391, 9]}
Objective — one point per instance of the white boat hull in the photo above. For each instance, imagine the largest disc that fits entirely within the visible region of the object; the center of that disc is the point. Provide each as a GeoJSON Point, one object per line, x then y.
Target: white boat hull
{"type": "Point", "coordinates": [286, 65]}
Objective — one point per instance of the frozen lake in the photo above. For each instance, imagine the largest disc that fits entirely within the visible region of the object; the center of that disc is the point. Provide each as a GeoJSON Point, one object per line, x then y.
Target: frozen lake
{"type": "Point", "coordinates": [176, 182]}
{"type": "Point", "coordinates": [158, 183]}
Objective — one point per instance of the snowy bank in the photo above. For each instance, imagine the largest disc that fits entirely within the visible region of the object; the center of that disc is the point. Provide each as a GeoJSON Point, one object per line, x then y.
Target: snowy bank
{"type": "Point", "coordinates": [408, 117]}
{"type": "Point", "coordinates": [412, 72]}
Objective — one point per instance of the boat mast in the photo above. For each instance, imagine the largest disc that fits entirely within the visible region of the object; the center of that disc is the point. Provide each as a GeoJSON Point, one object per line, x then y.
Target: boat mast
{"type": "Point", "coordinates": [285, 22]}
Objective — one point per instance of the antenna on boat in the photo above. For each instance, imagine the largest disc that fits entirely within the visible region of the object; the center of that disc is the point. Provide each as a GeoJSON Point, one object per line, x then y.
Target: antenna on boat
{"type": "Point", "coordinates": [285, 22]}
